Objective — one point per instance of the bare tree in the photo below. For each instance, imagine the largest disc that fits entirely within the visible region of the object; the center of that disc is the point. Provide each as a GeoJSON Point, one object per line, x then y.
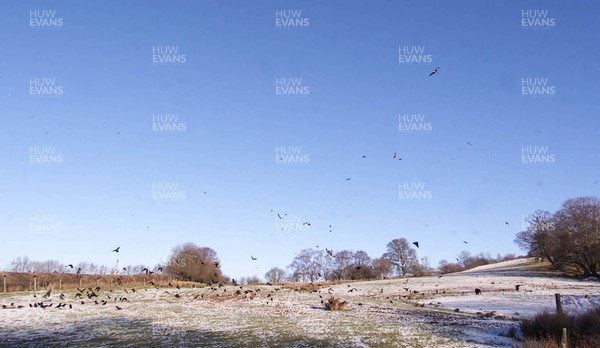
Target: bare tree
{"type": "Point", "coordinates": [191, 262]}
{"type": "Point", "coordinates": [252, 280]}
{"type": "Point", "coordinates": [343, 264]}
{"type": "Point", "coordinates": [401, 255]}
{"type": "Point", "coordinates": [464, 258]}
{"type": "Point", "coordinates": [362, 266]}
{"type": "Point", "coordinates": [382, 268]}
{"type": "Point", "coordinates": [19, 264]}
{"type": "Point", "coordinates": [422, 267]}
{"type": "Point", "coordinates": [449, 267]}
{"type": "Point", "coordinates": [569, 238]}
{"type": "Point", "coordinates": [301, 268]}
{"type": "Point", "coordinates": [275, 275]}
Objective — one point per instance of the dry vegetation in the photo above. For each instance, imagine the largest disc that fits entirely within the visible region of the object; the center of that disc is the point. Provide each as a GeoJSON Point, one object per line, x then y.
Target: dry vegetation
{"type": "Point", "coordinates": [546, 328]}
{"type": "Point", "coordinates": [17, 282]}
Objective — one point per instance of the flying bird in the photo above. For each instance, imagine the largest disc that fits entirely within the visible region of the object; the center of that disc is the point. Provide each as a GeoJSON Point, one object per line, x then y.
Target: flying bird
{"type": "Point", "coordinates": [506, 222]}
{"type": "Point", "coordinates": [253, 258]}
{"type": "Point", "coordinates": [364, 156]}
{"type": "Point", "coordinates": [347, 179]}
{"type": "Point", "coordinates": [468, 142]}
{"type": "Point", "coordinates": [464, 241]}
{"type": "Point", "coordinates": [416, 244]}
{"type": "Point", "coordinates": [116, 250]}
{"type": "Point", "coordinates": [329, 252]}
{"type": "Point", "coordinates": [435, 71]}
{"type": "Point", "coordinates": [69, 265]}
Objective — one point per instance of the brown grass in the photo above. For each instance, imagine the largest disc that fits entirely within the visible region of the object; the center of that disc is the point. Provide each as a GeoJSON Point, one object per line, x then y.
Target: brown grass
{"type": "Point", "coordinates": [546, 328]}
{"type": "Point", "coordinates": [67, 281]}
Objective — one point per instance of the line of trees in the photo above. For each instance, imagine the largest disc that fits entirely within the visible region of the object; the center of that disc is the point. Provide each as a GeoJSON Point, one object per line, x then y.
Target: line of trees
{"type": "Point", "coordinates": [400, 259]}
{"type": "Point", "coordinates": [24, 264]}
{"type": "Point", "coordinates": [569, 238]}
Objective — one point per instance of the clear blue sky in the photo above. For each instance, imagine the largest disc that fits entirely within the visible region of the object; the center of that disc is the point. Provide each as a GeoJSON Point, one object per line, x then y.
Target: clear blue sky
{"type": "Point", "coordinates": [101, 194]}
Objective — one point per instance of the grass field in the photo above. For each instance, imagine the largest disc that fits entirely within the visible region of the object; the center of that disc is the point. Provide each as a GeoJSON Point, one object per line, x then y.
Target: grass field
{"type": "Point", "coordinates": [380, 313]}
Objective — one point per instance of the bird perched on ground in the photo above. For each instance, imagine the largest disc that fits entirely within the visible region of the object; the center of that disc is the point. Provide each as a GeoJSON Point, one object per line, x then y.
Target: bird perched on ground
{"type": "Point", "coordinates": [517, 287]}
{"type": "Point", "coordinates": [435, 71]}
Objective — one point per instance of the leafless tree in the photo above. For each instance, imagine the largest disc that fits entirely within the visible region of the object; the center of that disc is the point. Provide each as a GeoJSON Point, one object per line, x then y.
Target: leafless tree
{"type": "Point", "coordinates": [382, 268]}
{"type": "Point", "coordinates": [569, 238]}
{"type": "Point", "coordinates": [401, 255]}
{"type": "Point", "coordinates": [191, 262]}
{"type": "Point", "coordinates": [275, 275]}
{"type": "Point", "coordinates": [301, 268]}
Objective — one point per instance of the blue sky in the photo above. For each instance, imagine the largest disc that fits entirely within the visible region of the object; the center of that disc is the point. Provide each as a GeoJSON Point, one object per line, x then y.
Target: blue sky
{"type": "Point", "coordinates": [100, 194]}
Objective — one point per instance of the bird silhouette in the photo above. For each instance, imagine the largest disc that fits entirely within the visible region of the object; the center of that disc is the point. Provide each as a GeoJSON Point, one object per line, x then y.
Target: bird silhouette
{"type": "Point", "coordinates": [506, 222]}
{"type": "Point", "coordinates": [116, 250]}
{"type": "Point", "coordinates": [253, 258]}
{"type": "Point", "coordinates": [348, 179]}
{"type": "Point", "coordinates": [416, 244]}
{"type": "Point", "coordinates": [468, 142]}
{"type": "Point", "coordinates": [464, 241]}
{"type": "Point", "coordinates": [435, 71]}
{"type": "Point", "coordinates": [69, 265]}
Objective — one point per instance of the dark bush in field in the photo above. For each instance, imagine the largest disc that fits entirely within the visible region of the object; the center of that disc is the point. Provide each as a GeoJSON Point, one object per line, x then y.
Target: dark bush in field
{"type": "Point", "coordinates": [583, 330]}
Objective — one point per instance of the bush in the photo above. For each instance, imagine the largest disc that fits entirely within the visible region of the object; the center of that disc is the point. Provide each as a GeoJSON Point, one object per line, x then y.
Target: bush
{"type": "Point", "coordinates": [583, 330]}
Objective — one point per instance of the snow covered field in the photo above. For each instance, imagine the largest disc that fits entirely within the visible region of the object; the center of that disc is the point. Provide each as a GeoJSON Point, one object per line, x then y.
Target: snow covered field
{"type": "Point", "coordinates": [380, 313]}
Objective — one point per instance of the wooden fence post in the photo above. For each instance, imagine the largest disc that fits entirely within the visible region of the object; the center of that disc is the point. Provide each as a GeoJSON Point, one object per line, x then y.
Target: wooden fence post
{"type": "Point", "coordinates": [34, 283]}
{"type": "Point", "coordinates": [4, 283]}
{"type": "Point", "coordinates": [559, 309]}
{"type": "Point", "coordinates": [60, 284]}
{"type": "Point", "coordinates": [564, 342]}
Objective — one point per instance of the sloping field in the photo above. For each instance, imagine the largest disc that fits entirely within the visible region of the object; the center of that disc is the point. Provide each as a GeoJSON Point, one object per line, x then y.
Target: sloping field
{"type": "Point", "coordinates": [380, 314]}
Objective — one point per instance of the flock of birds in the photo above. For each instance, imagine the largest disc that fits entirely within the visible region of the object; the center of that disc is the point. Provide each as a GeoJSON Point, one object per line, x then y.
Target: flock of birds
{"type": "Point", "coordinates": [217, 290]}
